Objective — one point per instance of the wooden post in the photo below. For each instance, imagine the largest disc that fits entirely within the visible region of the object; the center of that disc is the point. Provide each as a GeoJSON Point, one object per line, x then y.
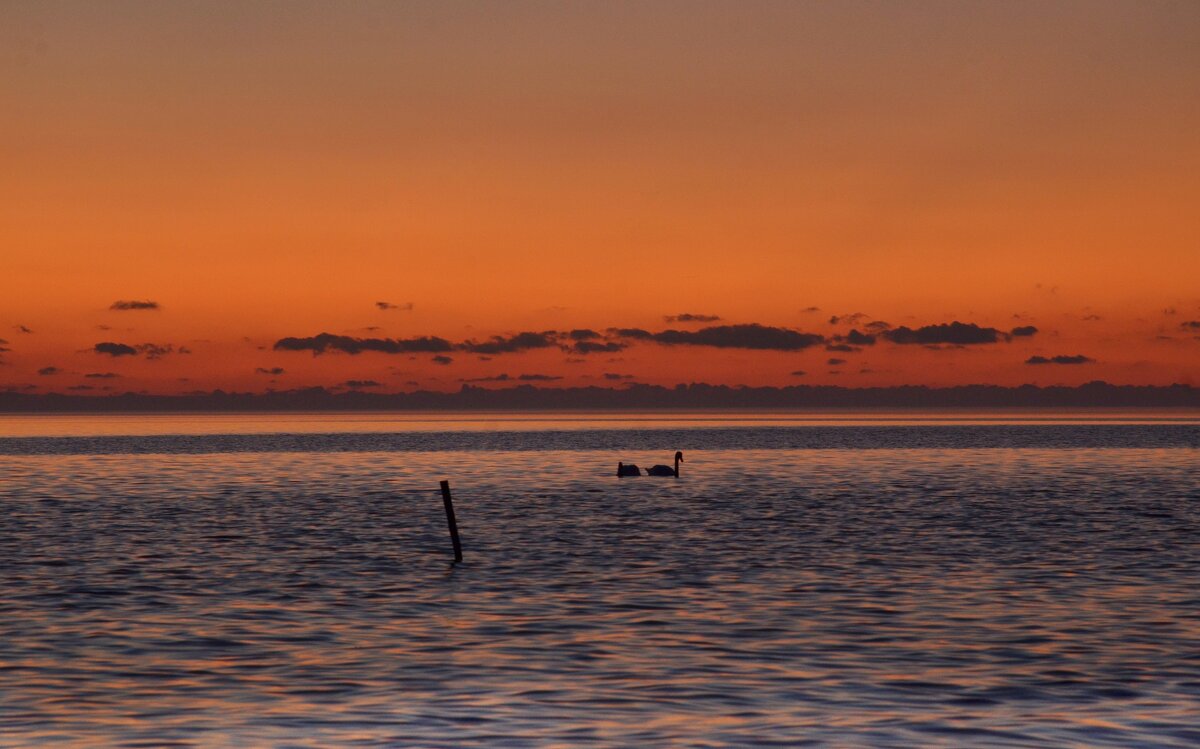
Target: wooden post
{"type": "Point", "coordinates": [451, 521]}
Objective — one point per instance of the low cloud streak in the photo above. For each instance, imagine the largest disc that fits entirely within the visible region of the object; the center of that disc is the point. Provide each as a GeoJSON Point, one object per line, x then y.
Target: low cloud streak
{"type": "Point", "coordinates": [114, 349]}
{"type": "Point", "coordinates": [748, 336]}
{"type": "Point", "coordinates": [149, 350]}
{"type": "Point", "coordinates": [512, 344]}
{"type": "Point", "coordinates": [691, 317]}
{"type": "Point", "coordinates": [1060, 359]}
{"type": "Point", "coordinates": [955, 333]}
{"type": "Point", "coordinates": [123, 305]}
{"type": "Point", "coordinates": [324, 342]}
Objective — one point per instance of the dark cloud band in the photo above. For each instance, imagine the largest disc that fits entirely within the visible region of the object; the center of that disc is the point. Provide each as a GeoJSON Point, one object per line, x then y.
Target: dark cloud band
{"type": "Point", "coordinates": [114, 349]}
{"type": "Point", "coordinates": [123, 305]}
{"type": "Point", "coordinates": [749, 336]}
{"type": "Point", "coordinates": [1060, 359]}
{"type": "Point", "coordinates": [149, 350]}
{"type": "Point", "coordinates": [955, 333]}
{"type": "Point", "coordinates": [691, 317]}
{"type": "Point", "coordinates": [512, 344]}
{"type": "Point", "coordinates": [323, 342]}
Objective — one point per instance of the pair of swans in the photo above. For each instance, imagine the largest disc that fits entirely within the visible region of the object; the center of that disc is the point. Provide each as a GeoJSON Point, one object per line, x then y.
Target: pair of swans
{"type": "Point", "coordinates": [659, 470]}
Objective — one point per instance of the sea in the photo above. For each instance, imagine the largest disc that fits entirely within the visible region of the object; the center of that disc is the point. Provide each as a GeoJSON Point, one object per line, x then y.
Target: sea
{"type": "Point", "coordinates": [821, 579]}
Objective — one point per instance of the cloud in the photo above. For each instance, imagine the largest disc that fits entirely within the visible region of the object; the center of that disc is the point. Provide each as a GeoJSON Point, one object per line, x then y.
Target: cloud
{"type": "Point", "coordinates": [357, 384]}
{"type": "Point", "coordinates": [835, 362]}
{"type": "Point", "coordinates": [954, 333]}
{"type": "Point", "coordinates": [443, 360]}
{"type": "Point", "coordinates": [749, 336]}
{"type": "Point", "coordinates": [269, 371]}
{"type": "Point", "coordinates": [615, 376]}
{"type": "Point", "coordinates": [81, 387]}
{"type": "Point", "coordinates": [850, 342]}
{"type": "Point", "coordinates": [595, 347]}
{"type": "Point", "coordinates": [157, 351]}
{"type": "Point", "coordinates": [385, 306]}
{"type": "Point", "coordinates": [22, 329]}
{"type": "Point", "coordinates": [583, 341]}
{"type": "Point", "coordinates": [860, 339]}
{"type": "Point", "coordinates": [45, 371]}
{"type": "Point", "coordinates": [323, 342]}
{"type": "Point", "coordinates": [799, 373]}
{"type": "Point", "coordinates": [634, 333]}
{"type": "Point", "coordinates": [691, 317]}
{"type": "Point", "coordinates": [520, 378]}
{"type": "Point", "coordinates": [132, 304]}
{"type": "Point", "coordinates": [811, 309]}
{"type": "Point", "coordinates": [854, 318]}
{"type": "Point", "coordinates": [102, 375]}
{"type": "Point", "coordinates": [491, 378]}
{"type": "Point", "coordinates": [1190, 325]}
{"type": "Point", "coordinates": [511, 344]}
{"type": "Point", "coordinates": [149, 350]}
{"type": "Point", "coordinates": [114, 349]}
{"type": "Point", "coordinates": [1061, 359]}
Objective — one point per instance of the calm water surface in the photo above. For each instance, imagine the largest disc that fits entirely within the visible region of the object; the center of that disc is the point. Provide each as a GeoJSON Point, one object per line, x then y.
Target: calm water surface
{"type": "Point", "coordinates": [826, 581]}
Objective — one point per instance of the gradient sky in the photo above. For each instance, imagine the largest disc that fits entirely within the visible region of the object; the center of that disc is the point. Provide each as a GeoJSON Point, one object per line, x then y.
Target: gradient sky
{"type": "Point", "coordinates": [274, 171]}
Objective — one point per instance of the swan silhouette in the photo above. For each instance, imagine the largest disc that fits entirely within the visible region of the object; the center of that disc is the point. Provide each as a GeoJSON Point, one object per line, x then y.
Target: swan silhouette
{"type": "Point", "coordinates": [628, 470]}
{"type": "Point", "coordinates": [661, 470]}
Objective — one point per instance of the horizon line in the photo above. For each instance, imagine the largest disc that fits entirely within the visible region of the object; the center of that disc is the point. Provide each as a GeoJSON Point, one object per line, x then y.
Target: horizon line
{"type": "Point", "coordinates": [680, 397]}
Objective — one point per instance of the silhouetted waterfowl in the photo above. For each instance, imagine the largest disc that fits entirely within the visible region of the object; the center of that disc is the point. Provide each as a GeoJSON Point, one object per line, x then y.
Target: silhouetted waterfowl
{"type": "Point", "coordinates": [666, 470]}
{"type": "Point", "coordinates": [628, 470]}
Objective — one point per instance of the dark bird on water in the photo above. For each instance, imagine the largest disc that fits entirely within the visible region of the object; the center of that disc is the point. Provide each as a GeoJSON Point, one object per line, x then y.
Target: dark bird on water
{"type": "Point", "coordinates": [661, 470]}
{"type": "Point", "coordinates": [627, 470]}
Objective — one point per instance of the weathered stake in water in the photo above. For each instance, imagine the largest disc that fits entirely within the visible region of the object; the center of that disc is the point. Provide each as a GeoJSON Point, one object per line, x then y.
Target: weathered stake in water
{"type": "Point", "coordinates": [451, 521]}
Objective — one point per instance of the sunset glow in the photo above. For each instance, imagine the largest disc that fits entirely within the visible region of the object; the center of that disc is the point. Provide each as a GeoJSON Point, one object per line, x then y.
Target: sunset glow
{"type": "Point", "coordinates": [498, 176]}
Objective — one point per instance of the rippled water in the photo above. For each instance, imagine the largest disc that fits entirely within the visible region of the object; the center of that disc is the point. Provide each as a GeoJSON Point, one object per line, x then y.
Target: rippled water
{"type": "Point", "coordinates": [909, 584]}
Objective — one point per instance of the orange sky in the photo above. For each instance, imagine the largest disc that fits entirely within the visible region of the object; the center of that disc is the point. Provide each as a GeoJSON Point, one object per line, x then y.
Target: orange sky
{"type": "Point", "coordinates": [273, 171]}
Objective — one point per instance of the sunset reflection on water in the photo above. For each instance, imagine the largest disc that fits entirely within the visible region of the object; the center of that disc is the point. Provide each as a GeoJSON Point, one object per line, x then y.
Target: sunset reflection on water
{"type": "Point", "coordinates": [897, 597]}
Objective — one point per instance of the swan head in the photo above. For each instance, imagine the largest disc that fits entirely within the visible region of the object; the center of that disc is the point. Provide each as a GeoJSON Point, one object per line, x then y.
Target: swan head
{"type": "Point", "coordinates": [679, 456]}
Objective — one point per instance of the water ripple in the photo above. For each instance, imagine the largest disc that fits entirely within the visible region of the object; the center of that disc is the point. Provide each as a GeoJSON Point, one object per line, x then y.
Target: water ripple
{"type": "Point", "coordinates": [913, 596]}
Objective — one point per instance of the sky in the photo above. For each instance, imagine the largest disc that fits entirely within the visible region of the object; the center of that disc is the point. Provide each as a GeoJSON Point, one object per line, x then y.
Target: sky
{"type": "Point", "coordinates": [400, 196]}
